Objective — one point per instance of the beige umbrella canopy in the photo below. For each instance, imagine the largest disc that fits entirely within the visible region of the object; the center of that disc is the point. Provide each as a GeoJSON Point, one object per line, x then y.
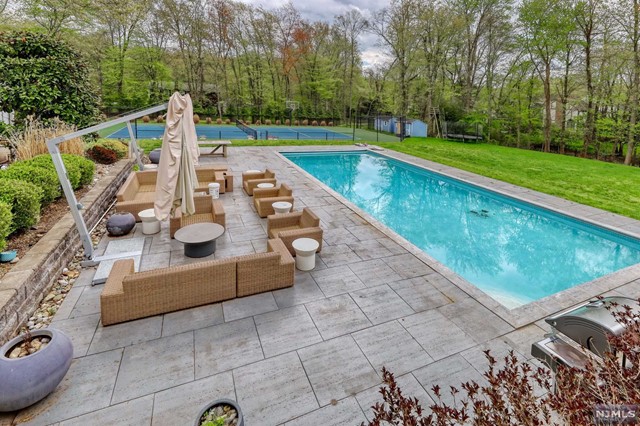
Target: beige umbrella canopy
{"type": "Point", "coordinates": [176, 172]}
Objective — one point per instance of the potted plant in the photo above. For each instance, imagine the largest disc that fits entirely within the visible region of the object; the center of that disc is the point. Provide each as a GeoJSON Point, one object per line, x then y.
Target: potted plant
{"type": "Point", "coordinates": [31, 366]}
{"type": "Point", "coordinates": [8, 255]}
{"type": "Point", "coordinates": [221, 412]}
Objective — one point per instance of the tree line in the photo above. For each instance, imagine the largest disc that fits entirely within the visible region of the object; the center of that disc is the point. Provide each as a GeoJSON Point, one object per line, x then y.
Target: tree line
{"type": "Point", "coordinates": [554, 74]}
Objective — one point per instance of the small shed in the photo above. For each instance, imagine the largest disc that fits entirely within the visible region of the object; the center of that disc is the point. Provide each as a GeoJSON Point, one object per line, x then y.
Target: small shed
{"type": "Point", "coordinates": [412, 127]}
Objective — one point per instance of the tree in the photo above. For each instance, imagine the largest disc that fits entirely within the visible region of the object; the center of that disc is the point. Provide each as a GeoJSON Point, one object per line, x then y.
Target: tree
{"type": "Point", "coordinates": [54, 15]}
{"type": "Point", "coordinates": [44, 77]}
{"type": "Point", "coordinates": [349, 26]}
{"type": "Point", "coordinates": [546, 26]}
{"type": "Point", "coordinates": [398, 28]}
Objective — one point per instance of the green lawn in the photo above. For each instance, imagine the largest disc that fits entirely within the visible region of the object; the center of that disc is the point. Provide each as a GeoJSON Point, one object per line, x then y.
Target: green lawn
{"type": "Point", "coordinates": [607, 186]}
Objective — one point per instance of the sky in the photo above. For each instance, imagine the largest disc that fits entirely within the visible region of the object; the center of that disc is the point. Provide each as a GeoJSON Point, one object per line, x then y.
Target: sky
{"type": "Point", "coordinates": [326, 10]}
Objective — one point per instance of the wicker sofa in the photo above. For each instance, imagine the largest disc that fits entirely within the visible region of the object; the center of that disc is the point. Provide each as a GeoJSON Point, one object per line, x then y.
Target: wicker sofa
{"type": "Point", "coordinates": [137, 193]}
{"type": "Point", "coordinates": [263, 198]}
{"type": "Point", "coordinates": [250, 180]}
{"type": "Point", "coordinates": [129, 295]}
{"type": "Point", "coordinates": [291, 226]}
{"type": "Point", "coordinates": [207, 210]}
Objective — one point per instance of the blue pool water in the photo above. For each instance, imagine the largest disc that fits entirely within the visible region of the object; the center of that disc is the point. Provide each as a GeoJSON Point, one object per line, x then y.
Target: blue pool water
{"type": "Point", "coordinates": [513, 251]}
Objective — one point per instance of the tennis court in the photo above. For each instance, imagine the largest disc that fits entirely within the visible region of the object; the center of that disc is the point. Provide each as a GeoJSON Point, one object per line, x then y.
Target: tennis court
{"type": "Point", "coordinates": [155, 131]}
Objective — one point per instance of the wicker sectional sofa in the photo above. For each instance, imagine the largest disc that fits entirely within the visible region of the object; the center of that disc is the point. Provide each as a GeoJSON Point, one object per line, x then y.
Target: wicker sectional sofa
{"type": "Point", "coordinates": [129, 295]}
{"type": "Point", "coordinates": [137, 193]}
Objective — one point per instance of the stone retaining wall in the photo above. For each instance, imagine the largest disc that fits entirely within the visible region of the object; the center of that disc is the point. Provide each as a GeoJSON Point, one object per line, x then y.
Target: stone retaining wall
{"type": "Point", "coordinates": [22, 289]}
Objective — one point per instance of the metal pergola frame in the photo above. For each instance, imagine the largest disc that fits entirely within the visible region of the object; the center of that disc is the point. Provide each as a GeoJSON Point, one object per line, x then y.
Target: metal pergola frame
{"type": "Point", "coordinates": [74, 205]}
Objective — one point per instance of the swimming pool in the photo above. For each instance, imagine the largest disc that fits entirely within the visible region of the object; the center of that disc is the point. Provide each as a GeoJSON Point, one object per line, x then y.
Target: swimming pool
{"type": "Point", "coordinates": [513, 251]}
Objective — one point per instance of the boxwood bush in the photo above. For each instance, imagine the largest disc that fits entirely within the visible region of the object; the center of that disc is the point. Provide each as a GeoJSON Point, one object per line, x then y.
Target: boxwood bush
{"type": "Point", "coordinates": [44, 178]}
{"type": "Point", "coordinates": [44, 161]}
{"type": "Point", "coordinates": [87, 167]}
{"type": "Point", "coordinates": [24, 199]}
{"type": "Point", "coordinates": [5, 223]}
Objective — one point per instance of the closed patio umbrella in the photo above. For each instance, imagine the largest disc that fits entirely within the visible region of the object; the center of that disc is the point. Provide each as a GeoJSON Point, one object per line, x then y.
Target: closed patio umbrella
{"type": "Point", "coordinates": [176, 172]}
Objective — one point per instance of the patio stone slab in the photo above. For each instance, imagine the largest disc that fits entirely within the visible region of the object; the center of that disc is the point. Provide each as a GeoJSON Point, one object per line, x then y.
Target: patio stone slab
{"type": "Point", "coordinates": [192, 319]}
{"type": "Point", "coordinates": [88, 303]}
{"type": "Point", "coordinates": [139, 373]}
{"type": "Point", "coordinates": [337, 280]}
{"type": "Point", "coordinates": [248, 306]}
{"type": "Point", "coordinates": [381, 304]}
{"type": "Point", "coordinates": [337, 368]}
{"type": "Point", "coordinates": [438, 335]}
{"type": "Point", "coordinates": [153, 261]}
{"type": "Point", "coordinates": [370, 249]}
{"type": "Point", "coordinates": [87, 387]}
{"type": "Point", "coordinates": [226, 346]}
{"type": "Point", "coordinates": [450, 371]}
{"type": "Point", "coordinates": [285, 330]}
{"type": "Point", "coordinates": [522, 338]}
{"type": "Point", "coordinates": [476, 320]}
{"type": "Point", "coordinates": [390, 345]}
{"type": "Point", "coordinates": [247, 233]}
{"type": "Point", "coordinates": [274, 391]}
{"type": "Point", "coordinates": [337, 255]}
{"type": "Point", "coordinates": [345, 412]}
{"type": "Point", "coordinates": [365, 232]}
{"type": "Point", "coordinates": [410, 386]}
{"type": "Point", "coordinates": [80, 330]}
{"type": "Point", "coordinates": [419, 293]}
{"type": "Point", "coordinates": [131, 413]}
{"type": "Point", "coordinates": [408, 266]}
{"type": "Point", "coordinates": [181, 404]}
{"type": "Point", "coordinates": [304, 290]}
{"type": "Point", "coordinates": [126, 334]}
{"type": "Point", "coordinates": [374, 272]}
{"type": "Point", "coordinates": [336, 316]}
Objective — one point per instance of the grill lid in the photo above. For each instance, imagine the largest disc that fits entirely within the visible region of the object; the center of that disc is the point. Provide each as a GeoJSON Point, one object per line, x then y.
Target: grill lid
{"type": "Point", "coordinates": [589, 323]}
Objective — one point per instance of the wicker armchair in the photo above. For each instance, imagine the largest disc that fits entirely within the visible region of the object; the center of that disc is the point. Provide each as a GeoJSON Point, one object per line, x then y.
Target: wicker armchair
{"type": "Point", "coordinates": [291, 226]}
{"type": "Point", "coordinates": [268, 271]}
{"type": "Point", "coordinates": [251, 179]}
{"type": "Point", "coordinates": [263, 198]}
{"type": "Point", "coordinates": [207, 210]}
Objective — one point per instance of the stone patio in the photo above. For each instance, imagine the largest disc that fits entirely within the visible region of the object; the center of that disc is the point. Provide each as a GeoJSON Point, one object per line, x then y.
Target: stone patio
{"type": "Point", "coordinates": [306, 355]}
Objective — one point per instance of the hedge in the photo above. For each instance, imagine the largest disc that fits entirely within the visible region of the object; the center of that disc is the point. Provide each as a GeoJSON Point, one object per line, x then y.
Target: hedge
{"type": "Point", "coordinates": [121, 149]}
{"type": "Point", "coordinates": [80, 170]}
{"type": "Point", "coordinates": [43, 178]}
{"type": "Point", "coordinates": [24, 199]}
{"type": "Point", "coordinates": [5, 223]}
{"type": "Point", "coordinates": [44, 161]}
{"type": "Point", "coordinates": [87, 167]}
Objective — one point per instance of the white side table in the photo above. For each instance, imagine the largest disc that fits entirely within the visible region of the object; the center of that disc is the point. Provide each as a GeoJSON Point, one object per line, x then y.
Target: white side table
{"type": "Point", "coordinates": [305, 253]}
{"type": "Point", "coordinates": [281, 207]}
{"type": "Point", "coordinates": [265, 185]}
{"type": "Point", "coordinates": [150, 225]}
{"type": "Point", "coordinates": [253, 171]}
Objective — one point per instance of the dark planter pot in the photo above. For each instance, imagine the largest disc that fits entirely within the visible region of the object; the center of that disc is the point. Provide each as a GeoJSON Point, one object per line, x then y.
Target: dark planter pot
{"type": "Point", "coordinates": [120, 224]}
{"type": "Point", "coordinates": [229, 402]}
{"type": "Point", "coordinates": [27, 380]}
{"type": "Point", "coordinates": [154, 156]}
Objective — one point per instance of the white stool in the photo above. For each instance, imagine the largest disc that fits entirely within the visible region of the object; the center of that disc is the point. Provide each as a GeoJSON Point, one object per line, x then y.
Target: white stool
{"type": "Point", "coordinates": [214, 190]}
{"type": "Point", "coordinates": [150, 225]}
{"type": "Point", "coordinates": [281, 207]}
{"type": "Point", "coordinates": [305, 253]}
{"type": "Point", "coordinates": [253, 171]}
{"type": "Point", "coordinates": [265, 185]}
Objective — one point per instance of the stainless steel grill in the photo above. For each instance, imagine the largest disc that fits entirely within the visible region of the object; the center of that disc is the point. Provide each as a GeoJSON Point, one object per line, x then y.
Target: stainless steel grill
{"type": "Point", "coordinates": [587, 325]}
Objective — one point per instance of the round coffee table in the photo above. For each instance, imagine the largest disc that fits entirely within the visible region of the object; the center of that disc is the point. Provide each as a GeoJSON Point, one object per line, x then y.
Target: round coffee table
{"type": "Point", "coordinates": [199, 239]}
{"type": "Point", "coordinates": [265, 185]}
{"type": "Point", "coordinates": [281, 207]}
{"type": "Point", "coordinates": [305, 253]}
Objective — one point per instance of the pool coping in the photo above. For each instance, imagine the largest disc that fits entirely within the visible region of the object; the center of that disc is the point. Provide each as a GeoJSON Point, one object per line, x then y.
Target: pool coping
{"type": "Point", "coordinates": [527, 313]}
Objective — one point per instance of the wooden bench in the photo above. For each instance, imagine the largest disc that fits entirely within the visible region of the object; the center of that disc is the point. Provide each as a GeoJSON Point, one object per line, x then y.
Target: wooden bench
{"type": "Point", "coordinates": [215, 146]}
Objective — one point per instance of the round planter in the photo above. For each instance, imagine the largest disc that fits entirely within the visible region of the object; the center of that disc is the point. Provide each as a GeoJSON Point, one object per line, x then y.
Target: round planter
{"type": "Point", "coordinates": [27, 380]}
{"type": "Point", "coordinates": [154, 156]}
{"type": "Point", "coordinates": [120, 224]}
{"type": "Point", "coordinates": [229, 402]}
{"type": "Point", "coordinates": [8, 256]}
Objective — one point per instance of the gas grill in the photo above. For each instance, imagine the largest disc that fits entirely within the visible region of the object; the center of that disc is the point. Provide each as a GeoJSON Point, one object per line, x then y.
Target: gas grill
{"type": "Point", "coordinates": [588, 326]}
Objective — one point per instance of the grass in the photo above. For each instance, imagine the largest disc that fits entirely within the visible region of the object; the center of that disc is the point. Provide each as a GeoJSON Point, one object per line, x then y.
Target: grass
{"type": "Point", "coordinates": [606, 186]}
